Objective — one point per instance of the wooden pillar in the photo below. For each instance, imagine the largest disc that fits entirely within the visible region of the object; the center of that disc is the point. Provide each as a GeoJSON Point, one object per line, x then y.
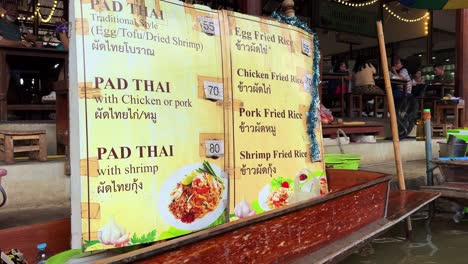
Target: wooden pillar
{"type": "Point", "coordinates": [461, 74]}
{"type": "Point", "coordinates": [288, 8]}
{"type": "Point", "coordinates": [251, 7]}
{"type": "Point", "coordinates": [66, 6]}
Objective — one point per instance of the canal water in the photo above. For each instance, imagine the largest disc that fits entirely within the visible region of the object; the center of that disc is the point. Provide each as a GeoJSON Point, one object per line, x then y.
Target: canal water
{"type": "Point", "coordinates": [445, 242]}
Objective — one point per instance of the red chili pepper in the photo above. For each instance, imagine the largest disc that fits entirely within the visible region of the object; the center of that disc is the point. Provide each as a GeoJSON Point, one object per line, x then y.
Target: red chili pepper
{"type": "Point", "coordinates": [302, 177]}
{"type": "Point", "coordinates": [285, 184]}
{"type": "Point", "coordinates": [201, 190]}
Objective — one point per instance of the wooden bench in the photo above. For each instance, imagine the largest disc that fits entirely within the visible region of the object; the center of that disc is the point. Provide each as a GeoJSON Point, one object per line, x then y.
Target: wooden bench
{"type": "Point", "coordinates": [33, 142]}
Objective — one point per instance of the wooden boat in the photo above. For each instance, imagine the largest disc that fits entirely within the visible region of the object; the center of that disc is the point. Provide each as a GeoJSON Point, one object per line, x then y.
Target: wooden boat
{"type": "Point", "coordinates": [55, 233]}
{"type": "Point", "coordinates": [359, 206]}
{"type": "Point", "coordinates": [454, 185]}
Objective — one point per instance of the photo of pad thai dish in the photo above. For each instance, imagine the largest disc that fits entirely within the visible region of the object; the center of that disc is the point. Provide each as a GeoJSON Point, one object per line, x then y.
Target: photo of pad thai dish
{"type": "Point", "coordinates": [197, 194]}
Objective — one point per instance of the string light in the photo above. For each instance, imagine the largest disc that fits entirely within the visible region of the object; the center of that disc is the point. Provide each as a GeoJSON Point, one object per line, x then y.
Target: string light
{"type": "Point", "coordinates": [49, 17]}
{"type": "Point", "coordinates": [357, 4]}
{"type": "Point", "coordinates": [426, 15]}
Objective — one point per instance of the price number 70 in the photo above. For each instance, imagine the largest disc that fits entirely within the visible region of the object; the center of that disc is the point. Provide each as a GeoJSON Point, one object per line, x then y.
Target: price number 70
{"type": "Point", "coordinates": [214, 90]}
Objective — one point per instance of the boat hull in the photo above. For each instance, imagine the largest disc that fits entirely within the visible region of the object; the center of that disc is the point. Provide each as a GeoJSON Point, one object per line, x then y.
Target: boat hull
{"type": "Point", "coordinates": [357, 199]}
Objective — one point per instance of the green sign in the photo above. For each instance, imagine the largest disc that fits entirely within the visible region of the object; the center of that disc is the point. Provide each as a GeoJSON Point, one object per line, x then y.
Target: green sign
{"type": "Point", "coordinates": [342, 18]}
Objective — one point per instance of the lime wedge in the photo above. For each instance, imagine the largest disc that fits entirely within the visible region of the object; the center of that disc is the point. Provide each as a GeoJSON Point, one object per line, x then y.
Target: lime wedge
{"type": "Point", "coordinates": [189, 178]}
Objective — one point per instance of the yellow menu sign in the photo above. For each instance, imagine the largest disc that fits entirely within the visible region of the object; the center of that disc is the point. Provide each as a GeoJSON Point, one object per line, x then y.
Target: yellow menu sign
{"type": "Point", "coordinates": [187, 116]}
{"type": "Point", "coordinates": [271, 82]}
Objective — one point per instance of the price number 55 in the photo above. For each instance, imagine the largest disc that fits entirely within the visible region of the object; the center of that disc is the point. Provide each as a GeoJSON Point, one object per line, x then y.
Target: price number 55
{"type": "Point", "coordinates": [208, 25]}
{"type": "Point", "coordinates": [306, 47]}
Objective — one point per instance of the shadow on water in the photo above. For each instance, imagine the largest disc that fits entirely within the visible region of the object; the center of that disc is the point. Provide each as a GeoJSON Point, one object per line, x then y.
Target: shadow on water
{"type": "Point", "coordinates": [442, 242]}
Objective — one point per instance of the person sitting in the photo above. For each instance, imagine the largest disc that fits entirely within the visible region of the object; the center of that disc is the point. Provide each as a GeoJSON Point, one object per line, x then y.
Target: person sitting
{"type": "Point", "coordinates": [441, 77]}
{"type": "Point", "coordinates": [363, 76]}
{"type": "Point", "coordinates": [364, 84]}
{"type": "Point", "coordinates": [398, 71]}
{"type": "Point", "coordinates": [417, 78]}
{"type": "Point", "coordinates": [335, 88]}
{"type": "Point", "coordinates": [418, 83]}
{"type": "Point", "coordinates": [10, 33]}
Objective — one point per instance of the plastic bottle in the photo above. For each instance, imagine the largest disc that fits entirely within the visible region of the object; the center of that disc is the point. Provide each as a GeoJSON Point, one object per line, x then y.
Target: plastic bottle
{"type": "Point", "coordinates": [420, 130]}
{"type": "Point", "coordinates": [41, 253]}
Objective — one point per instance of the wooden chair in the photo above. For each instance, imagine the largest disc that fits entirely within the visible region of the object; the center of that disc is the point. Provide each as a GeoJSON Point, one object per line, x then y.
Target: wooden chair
{"type": "Point", "coordinates": [380, 104]}
{"type": "Point", "coordinates": [354, 105]}
{"type": "Point", "coordinates": [458, 113]}
{"type": "Point", "coordinates": [440, 129]}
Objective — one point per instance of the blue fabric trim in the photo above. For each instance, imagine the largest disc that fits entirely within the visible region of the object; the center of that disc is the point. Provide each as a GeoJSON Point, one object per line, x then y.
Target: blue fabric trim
{"type": "Point", "coordinates": [312, 115]}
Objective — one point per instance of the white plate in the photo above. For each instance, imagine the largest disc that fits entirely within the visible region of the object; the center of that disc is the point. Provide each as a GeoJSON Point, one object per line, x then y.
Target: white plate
{"type": "Point", "coordinates": [263, 197]}
{"type": "Point", "coordinates": [164, 199]}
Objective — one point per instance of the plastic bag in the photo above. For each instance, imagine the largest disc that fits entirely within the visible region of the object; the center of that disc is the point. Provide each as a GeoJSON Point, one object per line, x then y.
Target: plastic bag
{"type": "Point", "coordinates": [325, 115]}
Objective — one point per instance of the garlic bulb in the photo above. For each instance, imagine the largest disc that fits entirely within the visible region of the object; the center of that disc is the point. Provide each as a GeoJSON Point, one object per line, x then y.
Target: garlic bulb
{"type": "Point", "coordinates": [243, 209]}
{"type": "Point", "coordinates": [113, 234]}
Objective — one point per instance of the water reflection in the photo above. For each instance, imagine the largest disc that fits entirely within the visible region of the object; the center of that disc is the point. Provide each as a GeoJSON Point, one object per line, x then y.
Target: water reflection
{"type": "Point", "coordinates": [444, 242]}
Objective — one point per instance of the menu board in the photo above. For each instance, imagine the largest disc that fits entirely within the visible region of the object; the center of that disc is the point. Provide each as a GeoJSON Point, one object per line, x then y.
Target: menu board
{"type": "Point", "coordinates": [187, 116]}
{"type": "Point", "coordinates": [271, 86]}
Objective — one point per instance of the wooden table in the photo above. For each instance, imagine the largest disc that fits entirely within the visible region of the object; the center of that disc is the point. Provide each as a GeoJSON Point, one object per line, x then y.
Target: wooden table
{"type": "Point", "coordinates": [379, 81]}
{"type": "Point", "coordinates": [441, 88]}
{"type": "Point", "coordinates": [367, 128]}
{"type": "Point", "coordinates": [18, 54]}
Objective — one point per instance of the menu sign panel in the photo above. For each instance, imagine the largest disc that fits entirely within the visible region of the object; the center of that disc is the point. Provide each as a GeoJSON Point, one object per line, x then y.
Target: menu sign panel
{"type": "Point", "coordinates": [146, 171]}
{"type": "Point", "coordinates": [270, 72]}
{"type": "Point", "coordinates": [184, 113]}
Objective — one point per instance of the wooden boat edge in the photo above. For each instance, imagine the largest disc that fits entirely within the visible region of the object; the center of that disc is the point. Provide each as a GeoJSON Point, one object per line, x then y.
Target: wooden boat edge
{"type": "Point", "coordinates": [166, 246]}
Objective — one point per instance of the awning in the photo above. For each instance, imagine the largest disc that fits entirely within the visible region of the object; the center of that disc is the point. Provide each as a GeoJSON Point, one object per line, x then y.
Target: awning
{"type": "Point", "coordinates": [435, 4]}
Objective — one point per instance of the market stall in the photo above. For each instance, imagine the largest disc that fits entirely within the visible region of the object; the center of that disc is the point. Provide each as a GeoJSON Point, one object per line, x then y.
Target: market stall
{"type": "Point", "coordinates": [224, 145]}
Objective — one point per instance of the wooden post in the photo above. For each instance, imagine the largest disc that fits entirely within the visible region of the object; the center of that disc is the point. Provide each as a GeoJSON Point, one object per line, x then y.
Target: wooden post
{"type": "Point", "coordinates": [429, 40]}
{"type": "Point", "coordinates": [461, 74]}
{"type": "Point", "coordinates": [251, 7]}
{"type": "Point", "coordinates": [288, 8]}
{"type": "Point", "coordinates": [391, 108]}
